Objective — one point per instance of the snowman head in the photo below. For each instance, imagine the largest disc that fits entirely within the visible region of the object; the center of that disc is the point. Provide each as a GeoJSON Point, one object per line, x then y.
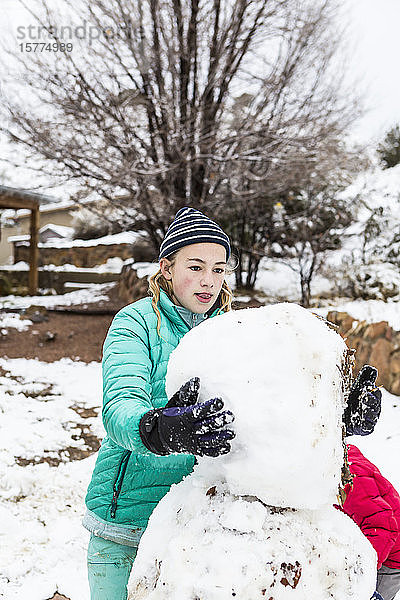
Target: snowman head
{"type": "Point", "coordinates": [280, 370]}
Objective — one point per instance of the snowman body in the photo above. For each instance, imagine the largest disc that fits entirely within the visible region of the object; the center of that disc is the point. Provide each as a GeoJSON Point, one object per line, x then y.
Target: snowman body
{"type": "Point", "coordinates": [260, 522]}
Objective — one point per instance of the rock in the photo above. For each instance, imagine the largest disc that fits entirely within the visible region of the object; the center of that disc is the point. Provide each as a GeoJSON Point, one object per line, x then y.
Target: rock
{"type": "Point", "coordinates": [5, 285]}
{"type": "Point", "coordinates": [50, 336]}
{"type": "Point", "coordinates": [363, 350]}
{"type": "Point", "coordinates": [376, 330]}
{"type": "Point", "coordinates": [395, 386]}
{"type": "Point", "coordinates": [130, 286]}
{"type": "Point", "coordinates": [81, 256]}
{"type": "Point", "coordinates": [380, 358]}
{"type": "Point", "coordinates": [395, 363]}
{"type": "Point", "coordinates": [35, 313]}
{"type": "Point", "coordinates": [376, 344]}
{"type": "Point", "coordinates": [342, 319]}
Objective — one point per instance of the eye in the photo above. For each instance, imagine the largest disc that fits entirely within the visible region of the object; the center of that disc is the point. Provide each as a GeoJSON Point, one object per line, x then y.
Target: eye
{"type": "Point", "coordinates": [219, 270]}
{"type": "Point", "coordinates": [194, 267]}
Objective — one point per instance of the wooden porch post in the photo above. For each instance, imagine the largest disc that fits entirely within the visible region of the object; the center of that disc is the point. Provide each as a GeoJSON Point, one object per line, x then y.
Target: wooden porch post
{"type": "Point", "coordinates": [33, 251]}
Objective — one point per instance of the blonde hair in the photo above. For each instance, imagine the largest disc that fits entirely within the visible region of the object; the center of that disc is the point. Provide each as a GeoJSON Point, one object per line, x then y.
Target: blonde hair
{"type": "Point", "coordinates": [158, 282]}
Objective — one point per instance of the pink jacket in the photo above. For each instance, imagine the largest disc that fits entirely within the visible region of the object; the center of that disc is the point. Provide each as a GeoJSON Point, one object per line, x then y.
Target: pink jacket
{"type": "Point", "coordinates": [374, 505]}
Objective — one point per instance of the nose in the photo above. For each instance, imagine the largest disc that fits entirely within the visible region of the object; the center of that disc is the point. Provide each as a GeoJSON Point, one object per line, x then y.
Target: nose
{"type": "Point", "coordinates": [207, 279]}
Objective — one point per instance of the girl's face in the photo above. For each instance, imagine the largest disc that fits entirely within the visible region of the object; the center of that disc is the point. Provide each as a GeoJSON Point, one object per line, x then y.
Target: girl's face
{"type": "Point", "coordinates": [197, 275]}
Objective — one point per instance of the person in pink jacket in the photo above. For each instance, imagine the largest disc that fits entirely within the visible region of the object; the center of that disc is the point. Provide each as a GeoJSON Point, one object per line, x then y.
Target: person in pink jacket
{"type": "Point", "coordinates": [373, 503]}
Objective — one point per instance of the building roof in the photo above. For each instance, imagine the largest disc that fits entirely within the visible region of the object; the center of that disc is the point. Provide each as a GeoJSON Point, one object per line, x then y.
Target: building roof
{"type": "Point", "coordinates": [21, 198]}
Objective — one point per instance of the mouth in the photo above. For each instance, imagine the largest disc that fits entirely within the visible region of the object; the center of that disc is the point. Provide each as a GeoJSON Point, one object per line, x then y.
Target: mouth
{"type": "Point", "coordinates": [204, 298]}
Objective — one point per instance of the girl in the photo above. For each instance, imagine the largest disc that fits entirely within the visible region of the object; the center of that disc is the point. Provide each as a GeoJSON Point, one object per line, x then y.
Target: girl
{"type": "Point", "coordinates": [373, 503]}
{"type": "Point", "coordinates": [151, 442]}
{"type": "Point", "coordinates": [135, 467]}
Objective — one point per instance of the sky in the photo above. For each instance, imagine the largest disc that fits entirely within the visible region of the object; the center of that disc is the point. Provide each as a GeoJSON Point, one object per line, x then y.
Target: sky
{"type": "Point", "coordinates": [374, 50]}
{"type": "Point", "coordinates": [375, 41]}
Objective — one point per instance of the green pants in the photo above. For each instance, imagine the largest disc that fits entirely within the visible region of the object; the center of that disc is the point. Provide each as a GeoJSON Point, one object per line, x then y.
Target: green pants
{"type": "Point", "coordinates": [109, 567]}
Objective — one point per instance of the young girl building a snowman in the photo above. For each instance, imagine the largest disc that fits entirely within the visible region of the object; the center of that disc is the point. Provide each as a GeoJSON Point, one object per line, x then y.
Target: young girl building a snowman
{"type": "Point", "coordinates": [151, 442]}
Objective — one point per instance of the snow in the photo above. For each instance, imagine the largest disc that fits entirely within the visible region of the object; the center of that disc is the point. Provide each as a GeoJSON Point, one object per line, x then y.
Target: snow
{"type": "Point", "coordinates": [145, 269]}
{"type": "Point", "coordinates": [277, 280]}
{"type": "Point", "coordinates": [94, 293]}
{"type": "Point", "coordinates": [13, 321]}
{"type": "Point", "coordinates": [44, 208]}
{"type": "Point", "coordinates": [126, 237]}
{"type": "Point", "coordinates": [378, 187]}
{"type": "Point", "coordinates": [199, 545]}
{"type": "Point", "coordinates": [374, 188]}
{"type": "Point", "coordinates": [62, 230]}
{"type": "Point", "coordinates": [42, 542]}
{"type": "Point", "coordinates": [383, 446]}
{"type": "Point", "coordinates": [371, 311]}
{"type": "Point", "coordinates": [40, 400]}
{"type": "Point", "coordinates": [280, 281]}
{"type": "Point", "coordinates": [21, 265]}
{"type": "Point", "coordinates": [294, 378]}
{"type": "Point", "coordinates": [112, 265]}
{"type": "Point", "coordinates": [262, 516]}
{"type": "Point", "coordinates": [18, 238]}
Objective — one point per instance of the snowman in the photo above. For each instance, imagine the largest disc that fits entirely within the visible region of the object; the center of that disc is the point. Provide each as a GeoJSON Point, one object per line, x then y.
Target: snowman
{"type": "Point", "coordinates": [260, 522]}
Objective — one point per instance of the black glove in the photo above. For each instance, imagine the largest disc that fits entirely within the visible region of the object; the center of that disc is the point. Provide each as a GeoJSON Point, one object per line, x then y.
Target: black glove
{"type": "Point", "coordinates": [186, 395]}
{"type": "Point", "coordinates": [183, 426]}
{"type": "Point", "coordinates": [364, 403]}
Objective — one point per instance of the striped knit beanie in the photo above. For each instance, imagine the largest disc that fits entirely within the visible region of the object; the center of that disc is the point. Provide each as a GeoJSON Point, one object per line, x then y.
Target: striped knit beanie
{"type": "Point", "coordinates": [190, 226]}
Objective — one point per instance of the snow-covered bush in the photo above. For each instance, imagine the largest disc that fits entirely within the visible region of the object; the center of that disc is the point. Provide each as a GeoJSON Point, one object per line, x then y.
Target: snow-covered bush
{"type": "Point", "coordinates": [389, 149]}
{"type": "Point", "coordinates": [369, 264]}
{"type": "Point", "coordinates": [89, 225]}
{"type": "Point", "coordinates": [370, 271]}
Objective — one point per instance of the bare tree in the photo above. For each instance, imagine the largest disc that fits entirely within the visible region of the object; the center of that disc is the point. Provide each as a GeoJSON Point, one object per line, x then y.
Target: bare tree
{"type": "Point", "coordinates": [295, 205]}
{"type": "Point", "coordinates": [316, 225]}
{"type": "Point", "coordinates": [314, 219]}
{"type": "Point", "coordinates": [205, 102]}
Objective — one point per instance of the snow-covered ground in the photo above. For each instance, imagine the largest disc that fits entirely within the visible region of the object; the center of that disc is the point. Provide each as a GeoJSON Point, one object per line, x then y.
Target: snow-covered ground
{"type": "Point", "coordinates": [43, 409]}
{"type": "Point", "coordinates": [13, 321]}
{"type": "Point", "coordinates": [368, 310]}
{"type": "Point", "coordinates": [93, 293]}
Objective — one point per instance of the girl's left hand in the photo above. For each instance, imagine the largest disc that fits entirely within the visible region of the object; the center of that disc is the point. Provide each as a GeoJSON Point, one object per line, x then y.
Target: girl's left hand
{"type": "Point", "coordinates": [364, 403]}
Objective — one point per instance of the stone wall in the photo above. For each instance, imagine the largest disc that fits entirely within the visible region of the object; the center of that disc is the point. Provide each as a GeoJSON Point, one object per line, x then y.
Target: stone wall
{"type": "Point", "coordinates": [376, 344]}
{"type": "Point", "coordinates": [56, 279]}
{"type": "Point", "coordinates": [80, 256]}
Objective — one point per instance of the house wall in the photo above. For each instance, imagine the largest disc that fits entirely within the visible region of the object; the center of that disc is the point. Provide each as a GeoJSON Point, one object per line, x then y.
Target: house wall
{"type": "Point", "coordinates": [60, 216]}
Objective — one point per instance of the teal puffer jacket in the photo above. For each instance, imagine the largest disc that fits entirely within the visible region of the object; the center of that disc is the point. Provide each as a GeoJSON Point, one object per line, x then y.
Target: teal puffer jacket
{"type": "Point", "coordinates": [128, 480]}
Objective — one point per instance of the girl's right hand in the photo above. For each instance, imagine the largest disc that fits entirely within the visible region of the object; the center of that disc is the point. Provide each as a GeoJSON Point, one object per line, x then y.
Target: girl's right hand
{"type": "Point", "coordinates": [187, 394]}
{"type": "Point", "coordinates": [196, 429]}
{"type": "Point", "coordinates": [185, 425]}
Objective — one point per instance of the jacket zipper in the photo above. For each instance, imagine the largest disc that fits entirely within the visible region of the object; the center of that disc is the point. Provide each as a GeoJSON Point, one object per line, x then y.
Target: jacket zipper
{"type": "Point", "coordinates": [118, 481]}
